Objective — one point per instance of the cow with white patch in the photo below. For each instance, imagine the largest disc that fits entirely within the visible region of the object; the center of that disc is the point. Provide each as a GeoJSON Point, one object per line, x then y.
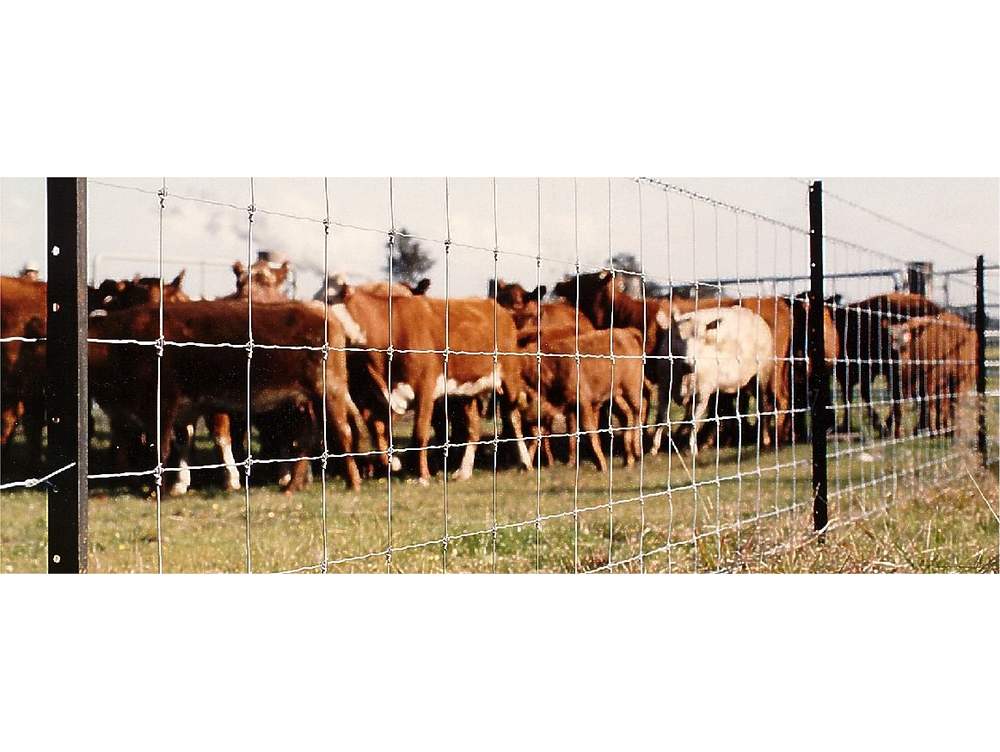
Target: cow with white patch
{"type": "Point", "coordinates": [404, 361]}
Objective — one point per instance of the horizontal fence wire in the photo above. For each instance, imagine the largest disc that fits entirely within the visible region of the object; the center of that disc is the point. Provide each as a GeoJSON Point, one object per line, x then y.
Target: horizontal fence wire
{"type": "Point", "coordinates": [666, 428]}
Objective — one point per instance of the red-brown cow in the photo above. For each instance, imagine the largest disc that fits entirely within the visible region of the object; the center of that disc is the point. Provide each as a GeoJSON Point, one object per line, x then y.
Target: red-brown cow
{"type": "Point", "coordinates": [568, 388]}
{"type": "Point", "coordinates": [528, 316]}
{"type": "Point", "coordinates": [866, 351]}
{"type": "Point", "coordinates": [118, 294]}
{"type": "Point", "coordinates": [22, 315]}
{"type": "Point", "coordinates": [415, 371]}
{"type": "Point", "coordinates": [211, 380]}
{"type": "Point", "coordinates": [937, 365]}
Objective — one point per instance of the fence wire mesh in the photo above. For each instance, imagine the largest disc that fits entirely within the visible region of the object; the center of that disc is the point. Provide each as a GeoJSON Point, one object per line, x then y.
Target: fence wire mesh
{"type": "Point", "coordinates": [371, 398]}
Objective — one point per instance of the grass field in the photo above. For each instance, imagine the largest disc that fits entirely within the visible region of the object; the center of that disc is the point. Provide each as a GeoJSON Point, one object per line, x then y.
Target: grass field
{"type": "Point", "coordinates": [926, 516]}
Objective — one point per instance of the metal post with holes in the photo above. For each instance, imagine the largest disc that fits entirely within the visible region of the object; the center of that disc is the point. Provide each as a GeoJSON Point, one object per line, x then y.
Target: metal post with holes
{"type": "Point", "coordinates": [981, 354]}
{"type": "Point", "coordinates": [819, 376]}
{"type": "Point", "coordinates": [66, 397]}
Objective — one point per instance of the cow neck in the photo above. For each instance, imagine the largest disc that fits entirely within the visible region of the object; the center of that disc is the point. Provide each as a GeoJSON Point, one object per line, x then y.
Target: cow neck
{"type": "Point", "coordinates": [629, 312]}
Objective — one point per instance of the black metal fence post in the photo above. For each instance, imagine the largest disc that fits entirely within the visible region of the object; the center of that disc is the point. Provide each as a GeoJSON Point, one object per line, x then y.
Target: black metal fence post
{"type": "Point", "coordinates": [66, 397]}
{"type": "Point", "coordinates": [981, 354]}
{"type": "Point", "coordinates": [819, 377]}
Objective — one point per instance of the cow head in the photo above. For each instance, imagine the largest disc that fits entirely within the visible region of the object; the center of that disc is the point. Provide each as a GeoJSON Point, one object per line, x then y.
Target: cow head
{"type": "Point", "coordinates": [901, 336]}
{"type": "Point", "coordinates": [333, 291]}
{"type": "Point", "coordinates": [685, 323]}
{"type": "Point", "coordinates": [117, 295]}
{"type": "Point", "coordinates": [594, 293]}
{"type": "Point", "coordinates": [513, 296]}
{"type": "Point", "coordinates": [264, 279]}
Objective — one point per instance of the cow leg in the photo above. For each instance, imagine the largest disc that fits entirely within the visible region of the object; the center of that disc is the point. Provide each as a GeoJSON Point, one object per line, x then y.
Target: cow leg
{"type": "Point", "coordinates": [896, 389]}
{"type": "Point", "coordinates": [701, 408]}
{"type": "Point", "coordinates": [662, 410]}
{"type": "Point", "coordinates": [338, 420]}
{"type": "Point", "coordinates": [512, 416]}
{"type": "Point", "coordinates": [471, 410]}
{"type": "Point", "coordinates": [572, 428]}
{"type": "Point", "coordinates": [767, 425]}
{"type": "Point", "coordinates": [183, 441]}
{"type": "Point", "coordinates": [588, 419]}
{"type": "Point", "coordinates": [843, 381]}
{"type": "Point", "coordinates": [168, 439]}
{"type": "Point", "coordinates": [378, 429]}
{"type": "Point", "coordinates": [626, 416]}
{"type": "Point", "coordinates": [919, 392]}
{"type": "Point", "coordinates": [639, 406]}
{"type": "Point", "coordinates": [865, 386]}
{"type": "Point", "coordinates": [550, 459]}
{"type": "Point", "coordinates": [337, 416]}
{"type": "Point", "coordinates": [422, 427]}
{"type": "Point", "coordinates": [222, 436]}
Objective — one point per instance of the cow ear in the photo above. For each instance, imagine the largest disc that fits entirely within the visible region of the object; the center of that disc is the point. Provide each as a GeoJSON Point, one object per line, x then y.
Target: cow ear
{"type": "Point", "coordinates": [238, 268]}
{"type": "Point", "coordinates": [603, 274]}
{"type": "Point", "coordinates": [179, 279]}
{"type": "Point", "coordinates": [491, 289]}
{"type": "Point", "coordinates": [121, 285]}
{"type": "Point", "coordinates": [283, 270]}
{"type": "Point", "coordinates": [540, 291]}
{"type": "Point", "coordinates": [422, 286]}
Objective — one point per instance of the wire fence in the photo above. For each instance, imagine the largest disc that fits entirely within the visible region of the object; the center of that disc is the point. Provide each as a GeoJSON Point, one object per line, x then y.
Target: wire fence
{"type": "Point", "coordinates": [673, 383]}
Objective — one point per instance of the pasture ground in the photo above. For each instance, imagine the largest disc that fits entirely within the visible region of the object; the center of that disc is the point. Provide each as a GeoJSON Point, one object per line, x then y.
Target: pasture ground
{"type": "Point", "coordinates": [928, 516]}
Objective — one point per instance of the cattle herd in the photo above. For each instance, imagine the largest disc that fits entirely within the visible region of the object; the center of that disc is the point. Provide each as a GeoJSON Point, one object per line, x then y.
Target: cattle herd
{"type": "Point", "coordinates": [324, 380]}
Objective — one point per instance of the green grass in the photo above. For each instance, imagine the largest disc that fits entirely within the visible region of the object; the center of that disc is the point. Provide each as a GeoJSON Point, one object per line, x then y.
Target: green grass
{"type": "Point", "coordinates": [915, 495]}
{"type": "Point", "coordinates": [926, 517]}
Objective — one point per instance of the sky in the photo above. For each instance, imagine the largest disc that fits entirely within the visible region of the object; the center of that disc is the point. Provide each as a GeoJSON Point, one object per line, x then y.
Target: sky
{"type": "Point", "coordinates": [541, 227]}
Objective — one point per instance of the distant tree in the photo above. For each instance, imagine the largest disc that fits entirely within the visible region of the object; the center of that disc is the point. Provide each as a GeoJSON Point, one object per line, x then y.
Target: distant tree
{"type": "Point", "coordinates": [625, 261]}
{"type": "Point", "coordinates": [410, 262]}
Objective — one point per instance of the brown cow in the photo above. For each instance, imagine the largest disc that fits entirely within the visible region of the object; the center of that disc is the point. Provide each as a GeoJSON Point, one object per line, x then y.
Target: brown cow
{"type": "Point", "coordinates": [413, 371]}
{"type": "Point", "coordinates": [22, 315]}
{"type": "Point", "coordinates": [569, 388]}
{"type": "Point", "coordinates": [866, 351]}
{"type": "Point", "coordinates": [604, 303]}
{"type": "Point", "coordinates": [211, 380]}
{"type": "Point", "coordinates": [524, 307]}
{"type": "Point", "coordinates": [118, 294]}
{"type": "Point", "coordinates": [368, 390]}
{"type": "Point", "coordinates": [937, 364]}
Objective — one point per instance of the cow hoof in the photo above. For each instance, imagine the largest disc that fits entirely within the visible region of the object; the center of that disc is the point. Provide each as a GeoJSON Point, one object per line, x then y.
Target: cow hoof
{"type": "Point", "coordinates": [461, 474]}
{"type": "Point", "coordinates": [284, 480]}
{"type": "Point", "coordinates": [396, 465]}
{"type": "Point", "coordinates": [425, 482]}
{"type": "Point", "coordinates": [177, 490]}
